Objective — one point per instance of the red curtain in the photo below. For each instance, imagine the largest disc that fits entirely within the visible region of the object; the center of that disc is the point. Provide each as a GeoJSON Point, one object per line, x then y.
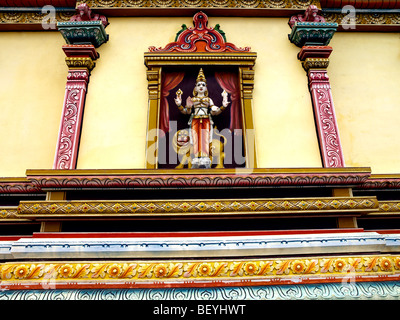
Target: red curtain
{"type": "Point", "coordinates": [169, 81]}
{"type": "Point", "coordinates": [229, 82]}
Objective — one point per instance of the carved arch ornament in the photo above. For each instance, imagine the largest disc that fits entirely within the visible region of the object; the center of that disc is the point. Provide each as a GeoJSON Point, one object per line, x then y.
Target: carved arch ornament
{"type": "Point", "coordinates": [198, 47]}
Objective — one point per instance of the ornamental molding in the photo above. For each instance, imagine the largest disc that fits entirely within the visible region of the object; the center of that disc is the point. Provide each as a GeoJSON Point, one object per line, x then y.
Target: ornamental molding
{"type": "Point", "coordinates": [286, 206]}
{"type": "Point", "coordinates": [220, 178]}
{"type": "Point", "coordinates": [312, 63]}
{"type": "Point", "coordinates": [201, 4]}
{"type": "Point", "coordinates": [9, 213]}
{"type": "Point", "coordinates": [381, 182]}
{"type": "Point", "coordinates": [210, 273]}
{"type": "Point", "coordinates": [21, 19]}
{"type": "Point", "coordinates": [198, 245]}
{"type": "Point", "coordinates": [18, 185]}
{"type": "Point", "coordinates": [385, 208]}
{"type": "Point", "coordinates": [364, 21]}
{"type": "Point", "coordinates": [322, 291]}
{"type": "Point", "coordinates": [200, 38]}
{"type": "Point", "coordinates": [40, 181]}
{"type": "Point", "coordinates": [79, 62]}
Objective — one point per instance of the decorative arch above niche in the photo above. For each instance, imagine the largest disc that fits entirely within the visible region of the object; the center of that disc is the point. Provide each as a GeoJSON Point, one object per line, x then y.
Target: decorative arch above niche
{"type": "Point", "coordinates": [172, 72]}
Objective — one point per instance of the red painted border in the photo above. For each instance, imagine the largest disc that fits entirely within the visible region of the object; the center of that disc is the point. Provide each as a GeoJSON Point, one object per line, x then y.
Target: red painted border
{"type": "Point", "coordinates": [12, 238]}
{"type": "Point", "coordinates": [386, 231]}
{"type": "Point", "coordinates": [195, 283]}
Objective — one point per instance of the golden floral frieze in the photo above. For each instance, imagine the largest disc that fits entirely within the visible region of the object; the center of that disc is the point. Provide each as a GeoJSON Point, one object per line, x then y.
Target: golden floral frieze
{"type": "Point", "coordinates": [323, 269]}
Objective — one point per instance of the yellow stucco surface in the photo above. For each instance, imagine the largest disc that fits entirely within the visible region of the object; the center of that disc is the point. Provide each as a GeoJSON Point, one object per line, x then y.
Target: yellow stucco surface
{"type": "Point", "coordinates": [364, 75]}
{"type": "Point", "coordinates": [115, 120]}
{"type": "Point", "coordinates": [282, 109]}
{"type": "Point", "coordinates": [32, 84]}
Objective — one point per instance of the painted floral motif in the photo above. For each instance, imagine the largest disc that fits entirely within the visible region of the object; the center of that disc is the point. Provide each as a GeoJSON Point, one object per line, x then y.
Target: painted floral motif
{"type": "Point", "coordinates": [101, 207]}
{"type": "Point", "coordinates": [339, 265]}
{"type": "Point", "coordinates": [114, 270]}
{"type": "Point", "coordinates": [235, 205]}
{"type": "Point", "coordinates": [385, 264]}
{"type": "Point", "coordinates": [151, 207]}
{"type": "Point", "coordinates": [303, 205]}
{"type": "Point", "coordinates": [85, 207]}
{"type": "Point", "coordinates": [21, 271]}
{"type": "Point", "coordinates": [168, 206]}
{"type": "Point", "coordinates": [270, 205]}
{"type": "Point", "coordinates": [185, 206]}
{"type": "Point", "coordinates": [66, 271]}
{"type": "Point", "coordinates": [250, 268]}
{"type": "Point", "coordinates": [160, 271]}
{"type": "Point", "coordinates": [68, 208]}
{"type": "Point", "coordinates": [397, 263]}
{"type": "Point", "coordinates": [253, 205]}
{"type": "Point", "coordinates": [298, 266]}
{"type": "Point", "coordinates": [134, 207]}
{"type": "Point", "coordinates": [204, 269]}
{"type": "Point", "coordinates": [218, 206]}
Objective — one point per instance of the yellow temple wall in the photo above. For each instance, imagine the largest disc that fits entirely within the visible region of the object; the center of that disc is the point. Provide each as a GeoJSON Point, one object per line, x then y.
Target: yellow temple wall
{"type": "Point", "coordinates": [117, 95]}
{"type": "Point", "coordinates": [364, 75]}
{"type": "Point", "coordinates": [32, 84]}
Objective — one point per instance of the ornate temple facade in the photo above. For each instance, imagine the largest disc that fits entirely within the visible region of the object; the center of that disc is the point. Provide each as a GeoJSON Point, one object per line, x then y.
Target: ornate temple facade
{"type": "Point", "coordinates": [190, 149]}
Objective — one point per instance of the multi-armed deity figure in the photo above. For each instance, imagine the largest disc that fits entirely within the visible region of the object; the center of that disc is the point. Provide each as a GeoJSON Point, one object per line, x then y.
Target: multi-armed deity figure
{"type": "Point", "coordinates": [201, 108]}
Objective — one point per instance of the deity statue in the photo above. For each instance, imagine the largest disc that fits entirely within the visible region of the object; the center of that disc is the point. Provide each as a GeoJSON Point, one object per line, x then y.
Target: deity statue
{"type": "Point", "coordinates": [201, 108]}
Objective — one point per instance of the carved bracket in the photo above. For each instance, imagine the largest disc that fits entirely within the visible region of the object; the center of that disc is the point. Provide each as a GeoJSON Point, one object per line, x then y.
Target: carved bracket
{"type": "Point", "coordinates": [311, 29]}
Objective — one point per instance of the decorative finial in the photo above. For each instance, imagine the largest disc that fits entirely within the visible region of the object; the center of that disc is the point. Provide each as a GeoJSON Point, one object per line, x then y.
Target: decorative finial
{"type": "Point", "coordinates": [84, 13]}
{"type": "Point", "coordinates": [310, 15]}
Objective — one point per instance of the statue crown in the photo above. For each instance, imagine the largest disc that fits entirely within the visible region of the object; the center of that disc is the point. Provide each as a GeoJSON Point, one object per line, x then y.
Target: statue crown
{"type": "Point", "coordinates": [201, 77]}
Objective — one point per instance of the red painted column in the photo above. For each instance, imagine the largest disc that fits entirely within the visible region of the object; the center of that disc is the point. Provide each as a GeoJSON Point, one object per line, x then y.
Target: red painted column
{"type": "Point", "coordinates": [328, 133]}
{"type": "Point", "coordinates": [70, 127]}
{"type": "Point", "coordinates": [315, 62]}
{"type": "Point", "coordinates": [80, 61]}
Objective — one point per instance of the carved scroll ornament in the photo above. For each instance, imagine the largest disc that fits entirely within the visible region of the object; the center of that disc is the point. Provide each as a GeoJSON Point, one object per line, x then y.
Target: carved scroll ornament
{"type": "Point", "coordinates": [320, 89]}
{"type": "Point", "coordinates": [200, 38]}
